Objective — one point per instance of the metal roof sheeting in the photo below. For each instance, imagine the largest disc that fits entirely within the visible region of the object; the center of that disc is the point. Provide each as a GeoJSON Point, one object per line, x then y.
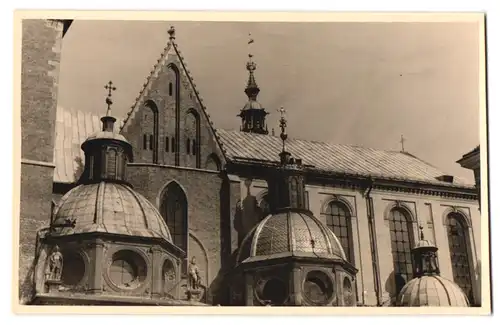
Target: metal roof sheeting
{"type": "Point", "coordinates": [334, 158]}
{"type": "Point", "coordinates": [73, 127]}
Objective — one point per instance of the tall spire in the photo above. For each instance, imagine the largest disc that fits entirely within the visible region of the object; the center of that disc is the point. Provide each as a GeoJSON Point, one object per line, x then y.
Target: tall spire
{"type": "Point", "coordinates": [286, 183]}
{"type": "Point", "coordinates": [253, 114]}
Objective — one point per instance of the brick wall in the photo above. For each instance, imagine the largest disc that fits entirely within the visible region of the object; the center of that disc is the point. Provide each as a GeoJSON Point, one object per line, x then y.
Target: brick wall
{"type": "Point", "coordinates": [179, 116]}
{"type": "Point", "coordinates": [209, 210]}
{"type": "Point", "coordinates": [41, 46]}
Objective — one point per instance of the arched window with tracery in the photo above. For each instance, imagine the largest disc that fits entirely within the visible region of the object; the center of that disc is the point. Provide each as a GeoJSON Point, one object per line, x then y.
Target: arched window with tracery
{"type": "Point", "coordinates": [174, 209]}
{"type": "Point", "coordinates": [192, 139]}
{"type": "Point", "coordinates": [150, 129]}
{"type": "Point", "coordinates": [459, 252]}
{"type": "Point", "coordinates": [338, 219]}
{"type": "Point", "coordinates": [401, 244]}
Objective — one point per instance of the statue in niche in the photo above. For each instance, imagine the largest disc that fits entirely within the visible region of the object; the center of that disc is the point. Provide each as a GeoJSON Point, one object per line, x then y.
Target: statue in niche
{"type": "Point", "coordinates": [193, 275]}
{"type": "Point", "coordinates": [168, 279]}
{"type": "Point", "coordinates": [55, 265]}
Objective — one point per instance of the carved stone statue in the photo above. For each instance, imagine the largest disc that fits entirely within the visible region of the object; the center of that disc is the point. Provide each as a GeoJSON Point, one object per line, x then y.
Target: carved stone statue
{"type": "Point", "coordinates": [193, 275]}
{"type": "Point", "coordinates": [55, 265]}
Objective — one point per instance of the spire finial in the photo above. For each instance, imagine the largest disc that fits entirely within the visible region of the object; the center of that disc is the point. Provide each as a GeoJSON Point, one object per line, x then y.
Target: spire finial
{"type": "Point", "coordinates": [108, 121]}
{"type": "Point", "coordinates": [109, 86]}
{"type": "Point", "coordinates": [283, 134]}
{"type": "Point", "coordinates": [171, 32]}
{"type": "Point", "coordinates": [402, 141]}
{"type": "Point", "coordinates": [252, 90]}
{"type": "Point", "coordinates": [421, 232]}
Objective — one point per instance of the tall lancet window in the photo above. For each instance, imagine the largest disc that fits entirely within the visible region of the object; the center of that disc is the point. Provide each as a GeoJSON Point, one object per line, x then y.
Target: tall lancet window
{"type": "Point", "coordinates": [192, 139]}
{"type": "Point", "coordinates": [338, 219]}
{"type": "Point", "coordinates": [174, 210]}
{"type": "Point", "coordinates": [459, 252]}
{"type": "Point", "coordinates": [401, 237]}
{"type": "Point", "coordinates": [150, 129]}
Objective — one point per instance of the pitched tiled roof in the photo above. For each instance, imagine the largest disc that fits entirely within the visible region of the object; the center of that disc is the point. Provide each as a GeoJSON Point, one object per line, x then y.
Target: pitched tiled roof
{"type": "Point", "coordinates": [334, 158]}
{"type": "Point", "coordinates": [72, 128]}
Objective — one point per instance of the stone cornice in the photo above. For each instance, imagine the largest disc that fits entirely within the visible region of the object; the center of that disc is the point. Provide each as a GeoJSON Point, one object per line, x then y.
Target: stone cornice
{"type": "Point", "coordinates": [358, 182]}
{"type": "Point", "coordinates": [37, 163]}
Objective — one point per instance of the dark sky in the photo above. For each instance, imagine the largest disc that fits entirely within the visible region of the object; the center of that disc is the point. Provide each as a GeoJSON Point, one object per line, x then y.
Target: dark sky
{"type": "Point", "coordinates": [352, 83]}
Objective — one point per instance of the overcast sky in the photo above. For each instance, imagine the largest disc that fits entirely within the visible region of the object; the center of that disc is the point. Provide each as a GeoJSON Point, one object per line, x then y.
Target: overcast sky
{"type": "Point", "coordinates": [351, 83]}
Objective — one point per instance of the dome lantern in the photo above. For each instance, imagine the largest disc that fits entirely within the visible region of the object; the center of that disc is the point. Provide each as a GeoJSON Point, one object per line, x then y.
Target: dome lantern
{"type": "Point", "coordinates": [291, 258]}
{"type": "Point", "coordinates": [106, 152]}
{"type": "Point", "coordinates": [428, 288]}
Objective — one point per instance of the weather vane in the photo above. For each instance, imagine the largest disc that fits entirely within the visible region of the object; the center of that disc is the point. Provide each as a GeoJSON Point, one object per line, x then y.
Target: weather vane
{"type": "Point", "coordinates": [109, 87]}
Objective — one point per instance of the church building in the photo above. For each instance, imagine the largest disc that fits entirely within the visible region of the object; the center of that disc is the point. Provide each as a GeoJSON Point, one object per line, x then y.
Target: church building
{"type": "Point", "coordinates": [161, 207]}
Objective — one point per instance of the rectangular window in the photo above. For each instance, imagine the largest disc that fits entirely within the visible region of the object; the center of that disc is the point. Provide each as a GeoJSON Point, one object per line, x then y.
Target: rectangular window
{"type": "Point", "coordinates": [151, 142]}
{"type": "Point", "coordinates": [194, 148]}
{"type": "Point", "coordinates": [167, 143]}
{"type": "Point", "coordinates": [188, 143]}
{"type": "Point", "coordinates": [173, 144]}
{"type": "Point", "coordinates": [145, 141]}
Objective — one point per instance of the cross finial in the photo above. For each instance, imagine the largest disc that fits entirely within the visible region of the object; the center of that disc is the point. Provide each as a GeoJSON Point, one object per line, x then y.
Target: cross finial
{"type": "Point", "coordinates": [402, 141]}
{"type": "Point", "coordinates": [109, 87]}
{"type": "Point", "coordinates": [283, 134]}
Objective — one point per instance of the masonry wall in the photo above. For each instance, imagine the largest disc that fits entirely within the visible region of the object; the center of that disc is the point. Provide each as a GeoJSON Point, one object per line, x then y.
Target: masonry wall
{"type": "Point", "coordinates": [41, 48]}
{"type": "Point", "coordinates": [428, 211]}
{"type": "Point", "coordinates": [209, 200]}
{"type": "Point", "coordinates": [172, 114]}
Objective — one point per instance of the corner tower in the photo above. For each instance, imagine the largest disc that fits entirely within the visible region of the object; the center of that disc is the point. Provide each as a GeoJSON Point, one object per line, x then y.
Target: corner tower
{"type": "Point", "coordinates": [253, 115]}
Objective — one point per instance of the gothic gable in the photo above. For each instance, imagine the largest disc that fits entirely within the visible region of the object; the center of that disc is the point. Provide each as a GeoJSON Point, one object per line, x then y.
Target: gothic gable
{"type": "Point", "coordinates": [168, 123]}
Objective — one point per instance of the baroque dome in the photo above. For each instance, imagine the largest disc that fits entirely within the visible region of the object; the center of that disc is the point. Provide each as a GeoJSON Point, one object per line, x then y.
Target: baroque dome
{"type": "Point", "coordinates": [290, 233]}
{"type": "Point", "coordinates": [432, 291]}
{"type": "Point", "coordinates": [112, 208]}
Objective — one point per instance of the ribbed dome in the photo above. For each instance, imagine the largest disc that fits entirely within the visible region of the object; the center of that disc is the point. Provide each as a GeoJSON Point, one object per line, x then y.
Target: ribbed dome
{"type": "Point", "coordinates": [252, 104]}
{"type": "Point", "coordinates": [434, 291]}
{"type": "Point", "coordinates": [107, 135]}
{"type": "Point", "coordinates": [109, 208]}
{"type": "Point", "coordinates": [290, 233]}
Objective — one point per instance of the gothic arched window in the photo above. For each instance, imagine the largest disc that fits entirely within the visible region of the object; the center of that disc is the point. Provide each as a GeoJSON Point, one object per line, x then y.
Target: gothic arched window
{"type": "Point", "coordinates": [192, 136]}
{"type": "Point", "coordinates": [174, 209]}
{"type": "Point", "coordinates": [150, 126]}
{"type": "Point", "coordinates": [401, 237]}
{"type": "Point", "coordinates": [338, 219]}
{"type": "Point", "coordinates": [459, 252]}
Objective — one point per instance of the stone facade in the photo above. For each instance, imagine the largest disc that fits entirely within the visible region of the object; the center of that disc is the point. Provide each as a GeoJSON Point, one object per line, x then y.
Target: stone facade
{"type": "Point", "coordinates": [41, 54]}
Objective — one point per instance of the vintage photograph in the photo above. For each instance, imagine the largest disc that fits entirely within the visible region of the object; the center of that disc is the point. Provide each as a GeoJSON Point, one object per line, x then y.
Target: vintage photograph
{"type": "Point", "coordinates": [175, 162]}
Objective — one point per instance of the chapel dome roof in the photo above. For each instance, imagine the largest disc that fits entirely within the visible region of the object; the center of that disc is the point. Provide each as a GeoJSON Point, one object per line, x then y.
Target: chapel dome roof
{"type": "Point", "coordinates": [431, 290]}
{"type": "Point", "coordinates": [107, 135]}
{"type": "Point", "coordinates": [252, 104]}
{"type": "Point", "coordinates": [109, 208]}
{"type": "Point", "coordinates": [290, 233]}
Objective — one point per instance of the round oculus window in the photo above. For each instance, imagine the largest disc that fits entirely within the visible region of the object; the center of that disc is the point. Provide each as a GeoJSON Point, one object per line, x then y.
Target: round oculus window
{"type": "Point", "coordinates": [127, 270]}
{"type": "Point", "coordinates": [318, 288]}
{"type": "Point", "coordinates": [272, 291]}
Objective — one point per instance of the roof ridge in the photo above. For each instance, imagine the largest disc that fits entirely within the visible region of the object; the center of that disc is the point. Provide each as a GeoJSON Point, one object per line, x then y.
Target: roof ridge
{"type": "Point", "coordinates": [147, 85]}
{"type": "Point", "coordinates": [198, 97]}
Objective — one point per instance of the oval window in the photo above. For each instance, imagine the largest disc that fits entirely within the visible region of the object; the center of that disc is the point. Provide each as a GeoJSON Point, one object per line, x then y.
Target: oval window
{"type": "Point", "coordinates": [127, 270]}
{"type": "Point", "coordinates": [318, 288]}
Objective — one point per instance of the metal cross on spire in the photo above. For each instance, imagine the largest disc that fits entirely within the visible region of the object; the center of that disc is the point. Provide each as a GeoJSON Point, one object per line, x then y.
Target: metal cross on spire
{"type": "Point", "coordinates": [283, 134]}
{"type": "Point", "coordinates": [402, 141]}
{"type": "Point", "coordinates": [110, 88]}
